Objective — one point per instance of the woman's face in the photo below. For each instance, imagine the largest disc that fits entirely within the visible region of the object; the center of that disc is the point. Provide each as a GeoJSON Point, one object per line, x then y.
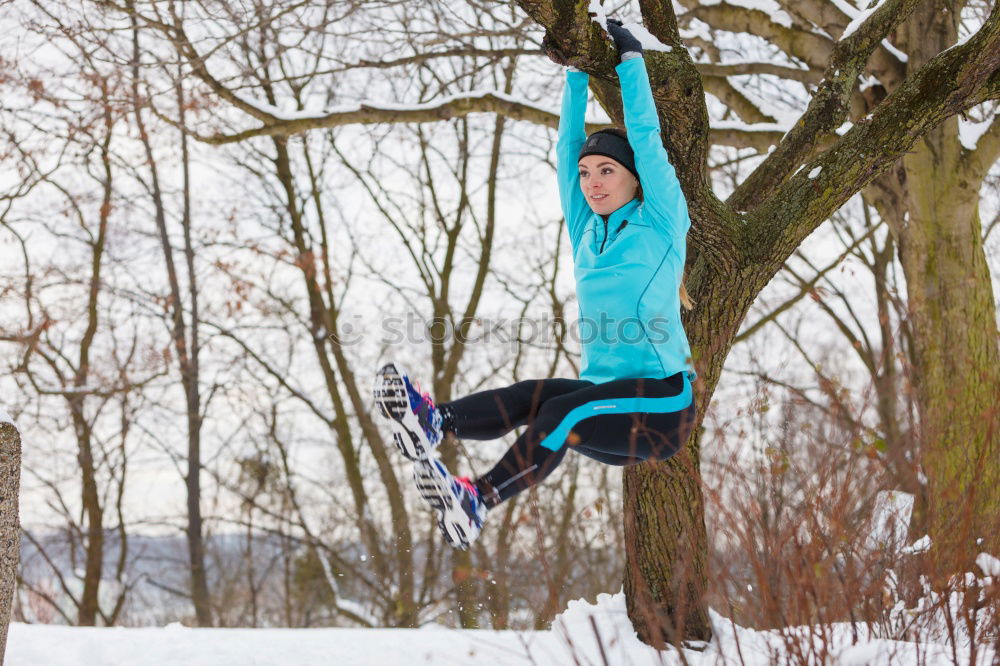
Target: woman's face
{"type": "Point", "coordinates": [606, 184]}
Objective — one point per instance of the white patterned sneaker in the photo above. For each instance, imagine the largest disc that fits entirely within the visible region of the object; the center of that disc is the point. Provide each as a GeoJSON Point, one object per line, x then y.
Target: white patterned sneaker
{"type": "Point", "coordinates": [460, 509]}
{"type": "Point", "coordinates": [415, 420]}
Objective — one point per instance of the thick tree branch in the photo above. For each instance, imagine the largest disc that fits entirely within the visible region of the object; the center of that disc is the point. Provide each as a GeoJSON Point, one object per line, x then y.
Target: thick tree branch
{"type": "Point", "coordinates": [828, 17]}
{"type": "Point", "coordinates": [745, 137]}
{"type": "Point", "coordinates": [987, 151]}
{"type": "Point", "coordinates": [368, 114]}
{"type": "Point", "coordinates": [812, 76]}
{"type": "Point", "coordinates": [941, 88]}
{"type": "Point", "coordinates": [735, 100]}
{"type": "Point", "coordinates": [571, 38]}
{"type": "Point", "coordinates": [989, 90]}
{"type": "Point", "coordinates": [809, 47]}
{"type": "Point", "coordinates": [467, 51]}
{"type": "Point", "coordinates": [659, 18]}
{"type": "Point", "coordinates": [823, 14]}
{"type": "Point", "coordinates": [759, 139]}
{"type": "Point", "coordinates": [828, 107]}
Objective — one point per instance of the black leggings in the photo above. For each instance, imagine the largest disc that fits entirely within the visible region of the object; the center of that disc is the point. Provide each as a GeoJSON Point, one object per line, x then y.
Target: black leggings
{"type": "Point", "coordinates": [620, 422]}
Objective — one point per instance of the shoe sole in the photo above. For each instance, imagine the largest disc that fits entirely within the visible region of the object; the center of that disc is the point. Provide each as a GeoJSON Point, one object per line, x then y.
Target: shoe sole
{"type": "Point", "coordinates": [455, 525]}
{"type": "Point", "coordinates": [393, 402]}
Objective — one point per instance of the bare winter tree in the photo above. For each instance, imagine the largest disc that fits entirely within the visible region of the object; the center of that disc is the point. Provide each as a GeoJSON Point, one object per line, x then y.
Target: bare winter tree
{"type": "Point", "coordinates": [741, 243]}
{"type": "Point", "coordinates": [875, 342]}
{"type": "Point", "coordinates": [293, 175]}
{"type": "Point", "coordinates": [182, 312]}
{"type": "Point", "coordinates": [930, 198]}
{"type": "Point", "coordinates": [446, 214]}
{"type": "Point", "coordinates": [62, 348]}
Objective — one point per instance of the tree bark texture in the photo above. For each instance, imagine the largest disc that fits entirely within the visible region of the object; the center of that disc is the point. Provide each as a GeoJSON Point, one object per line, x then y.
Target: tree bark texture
{"type": "Point", "coordinates": [952, 319]}
{"type": "Point", "coordinates": [931, 202]}
{"type": "Point", "coordinates": [10, 525]}
{"type": "Point", "coordinates": [664, 515]}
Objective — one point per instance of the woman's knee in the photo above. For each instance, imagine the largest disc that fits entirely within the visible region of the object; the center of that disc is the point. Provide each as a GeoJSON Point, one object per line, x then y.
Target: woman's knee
{"type": "Point", "coordinates": [550, 419]}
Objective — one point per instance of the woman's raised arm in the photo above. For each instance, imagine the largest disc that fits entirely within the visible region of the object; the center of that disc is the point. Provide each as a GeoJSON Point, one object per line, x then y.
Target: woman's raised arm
{"type": "Point", "coordinates": [661, 190]}
{"type": "Point", "coordinates": [572, 135]}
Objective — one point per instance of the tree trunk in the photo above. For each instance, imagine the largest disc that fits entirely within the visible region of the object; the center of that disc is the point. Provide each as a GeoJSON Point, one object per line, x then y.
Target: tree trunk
{"type": "Point", "coordinates": [955, 359]}
{"type": "Point", "coordinates": [187, 351]}
{"type": "Point", "coordinates": [956, 364]}
{"type": "Point", "coordinates": [191, 379]}
{"type": "Point", "coordinates": [94, 556]}
{"type": "Point", "coordinates": [10, 526]}
{"type": "Point", "coordinates": [666, 542]}
{"type": "Point", "coordinates": [195, 530]}
{"type": "Point", "coordinates": [666, 553]}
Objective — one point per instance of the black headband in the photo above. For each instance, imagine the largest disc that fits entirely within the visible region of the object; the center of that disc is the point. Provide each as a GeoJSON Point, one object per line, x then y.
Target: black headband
{"type": "Point", "coordinates": [610, 144]}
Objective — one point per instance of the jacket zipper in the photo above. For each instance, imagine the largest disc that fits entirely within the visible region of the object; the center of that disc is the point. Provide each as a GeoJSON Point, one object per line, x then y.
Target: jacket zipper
{"type": "Point", "coordinates": [620, 227]}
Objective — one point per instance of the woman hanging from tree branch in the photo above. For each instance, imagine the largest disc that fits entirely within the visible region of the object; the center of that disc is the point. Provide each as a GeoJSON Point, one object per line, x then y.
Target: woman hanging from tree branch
{"type": "Point", "coordinates": [628, 223]}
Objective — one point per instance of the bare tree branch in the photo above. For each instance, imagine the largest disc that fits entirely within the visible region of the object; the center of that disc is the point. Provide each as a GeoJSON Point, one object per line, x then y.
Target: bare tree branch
{"type": "Point", "coordinates": [828, 106]}
{"type": "Point", "coordinates": [809, 47]}
{"type": "Point", "coordinates": [940, 89]}
{"type": "Point", "coordinates": [987, 150]}
{"type": "Point", "coordinates": [807, 287]}
{"type": "Point", "coordinates": [812, 76]}
{"type": "Point", "coordinates": [465, 51]}
{"type": "Point", "coordinates": [735, 100]}
{"type": "Point", "coordinates": [370, 114]}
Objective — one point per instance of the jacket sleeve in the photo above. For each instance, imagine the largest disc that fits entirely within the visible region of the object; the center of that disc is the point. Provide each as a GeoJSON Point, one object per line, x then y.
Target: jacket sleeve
{"type": "Point", "coordinates": [661, 190]}
{"type": "Point", "coordinates": [572, 135]}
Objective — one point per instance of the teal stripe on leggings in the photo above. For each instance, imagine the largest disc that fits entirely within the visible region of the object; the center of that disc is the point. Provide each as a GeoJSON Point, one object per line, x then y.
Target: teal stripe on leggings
{"type": "Point", "coordinates": [674, 403]}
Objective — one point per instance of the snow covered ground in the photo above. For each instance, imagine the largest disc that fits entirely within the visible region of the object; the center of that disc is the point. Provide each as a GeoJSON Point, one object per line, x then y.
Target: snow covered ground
{"type": "Point", "coordinates": [584, 634]}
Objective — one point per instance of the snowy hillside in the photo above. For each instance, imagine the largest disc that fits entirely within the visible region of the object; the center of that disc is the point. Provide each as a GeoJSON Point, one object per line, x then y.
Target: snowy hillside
{"type": "Point", "coordinates": [583, 634]}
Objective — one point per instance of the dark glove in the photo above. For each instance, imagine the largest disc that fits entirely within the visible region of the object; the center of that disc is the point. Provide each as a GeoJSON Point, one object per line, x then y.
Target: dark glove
{"type": "Point", "coordinates": [625, 41]}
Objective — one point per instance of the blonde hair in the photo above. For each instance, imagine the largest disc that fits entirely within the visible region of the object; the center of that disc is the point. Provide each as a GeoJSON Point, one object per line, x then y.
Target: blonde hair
{"type": "Point", "coordinates": [685, 298]}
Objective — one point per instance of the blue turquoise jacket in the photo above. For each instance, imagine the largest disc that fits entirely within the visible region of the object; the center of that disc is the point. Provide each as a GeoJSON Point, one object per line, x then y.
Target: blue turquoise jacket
{"type": "Point", "coordinates": [628, 269]}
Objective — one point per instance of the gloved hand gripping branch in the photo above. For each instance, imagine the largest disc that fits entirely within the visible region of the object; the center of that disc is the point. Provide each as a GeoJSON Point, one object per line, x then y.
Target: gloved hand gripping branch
{"type": "Point", "coordinates": [625, 42]}
{"type": "Point", "coordinates": [628, 46]}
